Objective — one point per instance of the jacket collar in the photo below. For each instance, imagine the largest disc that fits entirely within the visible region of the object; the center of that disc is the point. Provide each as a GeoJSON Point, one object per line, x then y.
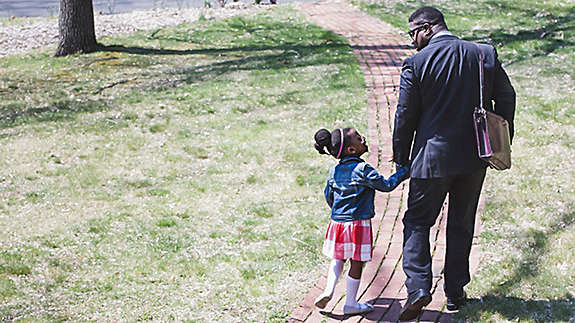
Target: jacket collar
{"type": "Point", "coordinates": [349, 159]}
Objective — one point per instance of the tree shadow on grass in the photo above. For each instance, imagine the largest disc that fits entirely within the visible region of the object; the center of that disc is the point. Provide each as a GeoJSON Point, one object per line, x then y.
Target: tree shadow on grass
{"type": "Point", "coordinates": [537, 245]}
{"type": "Point", "coordinates": [259, 58]}
{"type": "Point", "coordinates": [527, 266]}
{"type": "Point", "coordinates": [246, 59]}
{"type": "Point", "coordinates": [14, 114]}
{"type": "Point", "coordinates": [556, 25]}
{"type": "Point", "coordinates": [518, 309]}
{"type": "Point", "coordinates": [215, 51]}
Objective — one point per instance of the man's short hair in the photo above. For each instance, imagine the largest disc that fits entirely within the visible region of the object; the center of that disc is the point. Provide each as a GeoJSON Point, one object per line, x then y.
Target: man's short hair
{"type": "Point", "coordinates": [430, 15]}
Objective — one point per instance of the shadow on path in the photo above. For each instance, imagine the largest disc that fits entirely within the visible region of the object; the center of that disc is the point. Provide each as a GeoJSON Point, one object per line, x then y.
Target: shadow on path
{"type": "Point", "coordinates": [386, 310]}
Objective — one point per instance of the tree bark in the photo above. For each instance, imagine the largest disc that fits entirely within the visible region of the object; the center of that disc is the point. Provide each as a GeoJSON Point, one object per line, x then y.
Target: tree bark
{"type": "Point", "coordinates": [76, 22]}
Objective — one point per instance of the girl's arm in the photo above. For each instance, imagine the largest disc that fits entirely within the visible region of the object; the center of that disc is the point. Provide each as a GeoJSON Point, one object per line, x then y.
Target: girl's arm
{"type": "Point", "coordinates": [374, 180]}
{"type": "Point", "coordinates": [328, 192]}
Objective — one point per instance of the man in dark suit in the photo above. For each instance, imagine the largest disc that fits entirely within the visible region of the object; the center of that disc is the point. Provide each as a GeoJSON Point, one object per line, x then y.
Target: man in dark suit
{"type": "Point", "coordinates": [439, 90]}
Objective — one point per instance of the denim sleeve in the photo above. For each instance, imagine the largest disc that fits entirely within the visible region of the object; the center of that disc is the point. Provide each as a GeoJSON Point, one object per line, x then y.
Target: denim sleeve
{"type": "Point", "coordinates": [372, 179]}
{"type": "Point", "coordinates": [328, 192]}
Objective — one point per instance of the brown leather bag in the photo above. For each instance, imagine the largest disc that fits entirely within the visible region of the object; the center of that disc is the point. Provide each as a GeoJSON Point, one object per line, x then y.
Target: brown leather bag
{"type": "Point", "coordinates": [491, 131]}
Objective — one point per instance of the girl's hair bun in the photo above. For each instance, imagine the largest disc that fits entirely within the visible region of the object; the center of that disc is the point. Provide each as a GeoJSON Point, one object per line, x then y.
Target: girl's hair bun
{"type": "Point", "coordinates": [323, 140]}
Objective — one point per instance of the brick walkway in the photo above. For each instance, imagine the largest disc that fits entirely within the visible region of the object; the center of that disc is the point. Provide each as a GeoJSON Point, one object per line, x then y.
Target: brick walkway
{"type": "Point", "coordinates": [380, 50]}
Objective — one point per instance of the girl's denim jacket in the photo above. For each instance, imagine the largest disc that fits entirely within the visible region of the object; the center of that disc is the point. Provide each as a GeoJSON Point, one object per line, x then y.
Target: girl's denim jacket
{"type": "Point", "coordinates": [351, 187]}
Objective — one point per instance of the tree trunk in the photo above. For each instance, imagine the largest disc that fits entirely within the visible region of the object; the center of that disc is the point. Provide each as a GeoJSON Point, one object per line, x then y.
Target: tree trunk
{"type": "Point", "coordinates": [76, 23]}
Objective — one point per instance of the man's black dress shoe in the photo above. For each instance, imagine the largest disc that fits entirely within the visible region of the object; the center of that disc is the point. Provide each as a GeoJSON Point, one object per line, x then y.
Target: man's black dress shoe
{"type": "Point", "coordinates": [415, 302]}
{"type": "Point", "coordinates": [453, 303]}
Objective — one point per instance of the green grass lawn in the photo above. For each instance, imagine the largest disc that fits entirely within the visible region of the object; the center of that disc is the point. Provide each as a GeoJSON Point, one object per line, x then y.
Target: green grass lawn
{"type": "Point", "coordinates": [171, 176]}
{"type": "Point", "coordinates": [528, 266]}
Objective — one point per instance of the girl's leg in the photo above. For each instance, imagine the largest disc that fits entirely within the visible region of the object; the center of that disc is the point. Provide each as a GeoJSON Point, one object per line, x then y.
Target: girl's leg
{"type": "Point", "coordinates": [353, 280]}
{"type": "Point", "coordinates": [355, 269]}
{"type": "Point", "coordinates": [335, 269]}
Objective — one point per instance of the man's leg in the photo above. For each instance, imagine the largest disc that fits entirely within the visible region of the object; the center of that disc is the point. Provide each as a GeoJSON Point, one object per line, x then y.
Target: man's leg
{"type": "Point", "coordinates": [463, 200]}
{"type": "Point", "coordinates": [424, 203]}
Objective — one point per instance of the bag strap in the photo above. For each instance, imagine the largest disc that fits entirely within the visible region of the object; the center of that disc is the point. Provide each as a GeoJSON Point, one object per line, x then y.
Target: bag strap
{"type": "Point", "coordinates": [481, 77]}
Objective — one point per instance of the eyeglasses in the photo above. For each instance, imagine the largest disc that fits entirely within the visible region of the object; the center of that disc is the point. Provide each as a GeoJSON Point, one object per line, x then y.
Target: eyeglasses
{"type": "Point", "coordinates": [412, 32]}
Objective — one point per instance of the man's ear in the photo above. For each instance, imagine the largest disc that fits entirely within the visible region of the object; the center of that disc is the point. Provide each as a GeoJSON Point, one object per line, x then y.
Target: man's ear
{"type": "Point", "coordinates": [350, 150]}
{"type": "Point", "coordinates": [428, 29]}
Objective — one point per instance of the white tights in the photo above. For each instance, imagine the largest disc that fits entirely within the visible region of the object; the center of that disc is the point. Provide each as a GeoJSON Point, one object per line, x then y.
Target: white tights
{"type": "Point", "coordinates": [335, 269]}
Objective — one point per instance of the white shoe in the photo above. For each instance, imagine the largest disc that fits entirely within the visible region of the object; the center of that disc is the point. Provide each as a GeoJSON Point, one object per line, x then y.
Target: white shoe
{"type": "Point", "coordinates": [361, 308]}
{"type": "Point", "coordinates": [322, 300]}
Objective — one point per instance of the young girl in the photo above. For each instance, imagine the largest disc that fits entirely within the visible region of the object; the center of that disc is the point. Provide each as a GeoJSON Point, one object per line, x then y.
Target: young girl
{"type": "Point", "coordinates": [350, 192]}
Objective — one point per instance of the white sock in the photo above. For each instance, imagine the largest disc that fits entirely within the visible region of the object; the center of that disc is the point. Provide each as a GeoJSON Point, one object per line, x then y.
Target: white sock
{"type": "Point", "coordinates": [351, 294]}
{"type": "Point", "coordinates": [335, 269]}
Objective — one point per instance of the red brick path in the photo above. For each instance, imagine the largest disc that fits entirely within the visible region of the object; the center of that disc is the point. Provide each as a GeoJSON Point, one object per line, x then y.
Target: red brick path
{"type": "Point", "coordinates": [380, 50]}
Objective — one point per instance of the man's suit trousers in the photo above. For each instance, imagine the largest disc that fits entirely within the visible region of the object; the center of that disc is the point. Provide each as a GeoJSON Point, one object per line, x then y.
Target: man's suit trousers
{"type": "Point", "coordinates": [426, 197]}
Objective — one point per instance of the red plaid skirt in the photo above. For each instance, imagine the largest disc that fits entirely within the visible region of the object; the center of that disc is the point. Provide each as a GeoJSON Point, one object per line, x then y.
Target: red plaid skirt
{"type": "Point", "coordinates": [348, 240]}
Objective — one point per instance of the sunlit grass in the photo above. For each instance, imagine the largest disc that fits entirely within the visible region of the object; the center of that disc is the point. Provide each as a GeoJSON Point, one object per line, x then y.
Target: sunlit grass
{"type": "Point", "coordinates": [21, 21]}
{"type": "Point", "coordinates": [528, 269]}
{"type": "Point", "coordinates": [171, 176]}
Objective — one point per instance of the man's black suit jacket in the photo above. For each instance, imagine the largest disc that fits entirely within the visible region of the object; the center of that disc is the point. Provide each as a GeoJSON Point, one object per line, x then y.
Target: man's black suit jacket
{"type": "Point", "coordinates": [439, 90]}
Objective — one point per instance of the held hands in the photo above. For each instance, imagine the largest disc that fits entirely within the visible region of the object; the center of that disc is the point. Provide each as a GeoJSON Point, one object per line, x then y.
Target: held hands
{"type": "Point", "coordinates": [399, 166]}
{"type": "Point", "coordinates": [403, 169]}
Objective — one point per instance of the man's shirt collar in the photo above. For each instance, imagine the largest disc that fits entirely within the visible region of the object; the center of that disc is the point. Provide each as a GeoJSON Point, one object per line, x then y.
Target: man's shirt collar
{"type": "Point", "coordinates": [442, 33]}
